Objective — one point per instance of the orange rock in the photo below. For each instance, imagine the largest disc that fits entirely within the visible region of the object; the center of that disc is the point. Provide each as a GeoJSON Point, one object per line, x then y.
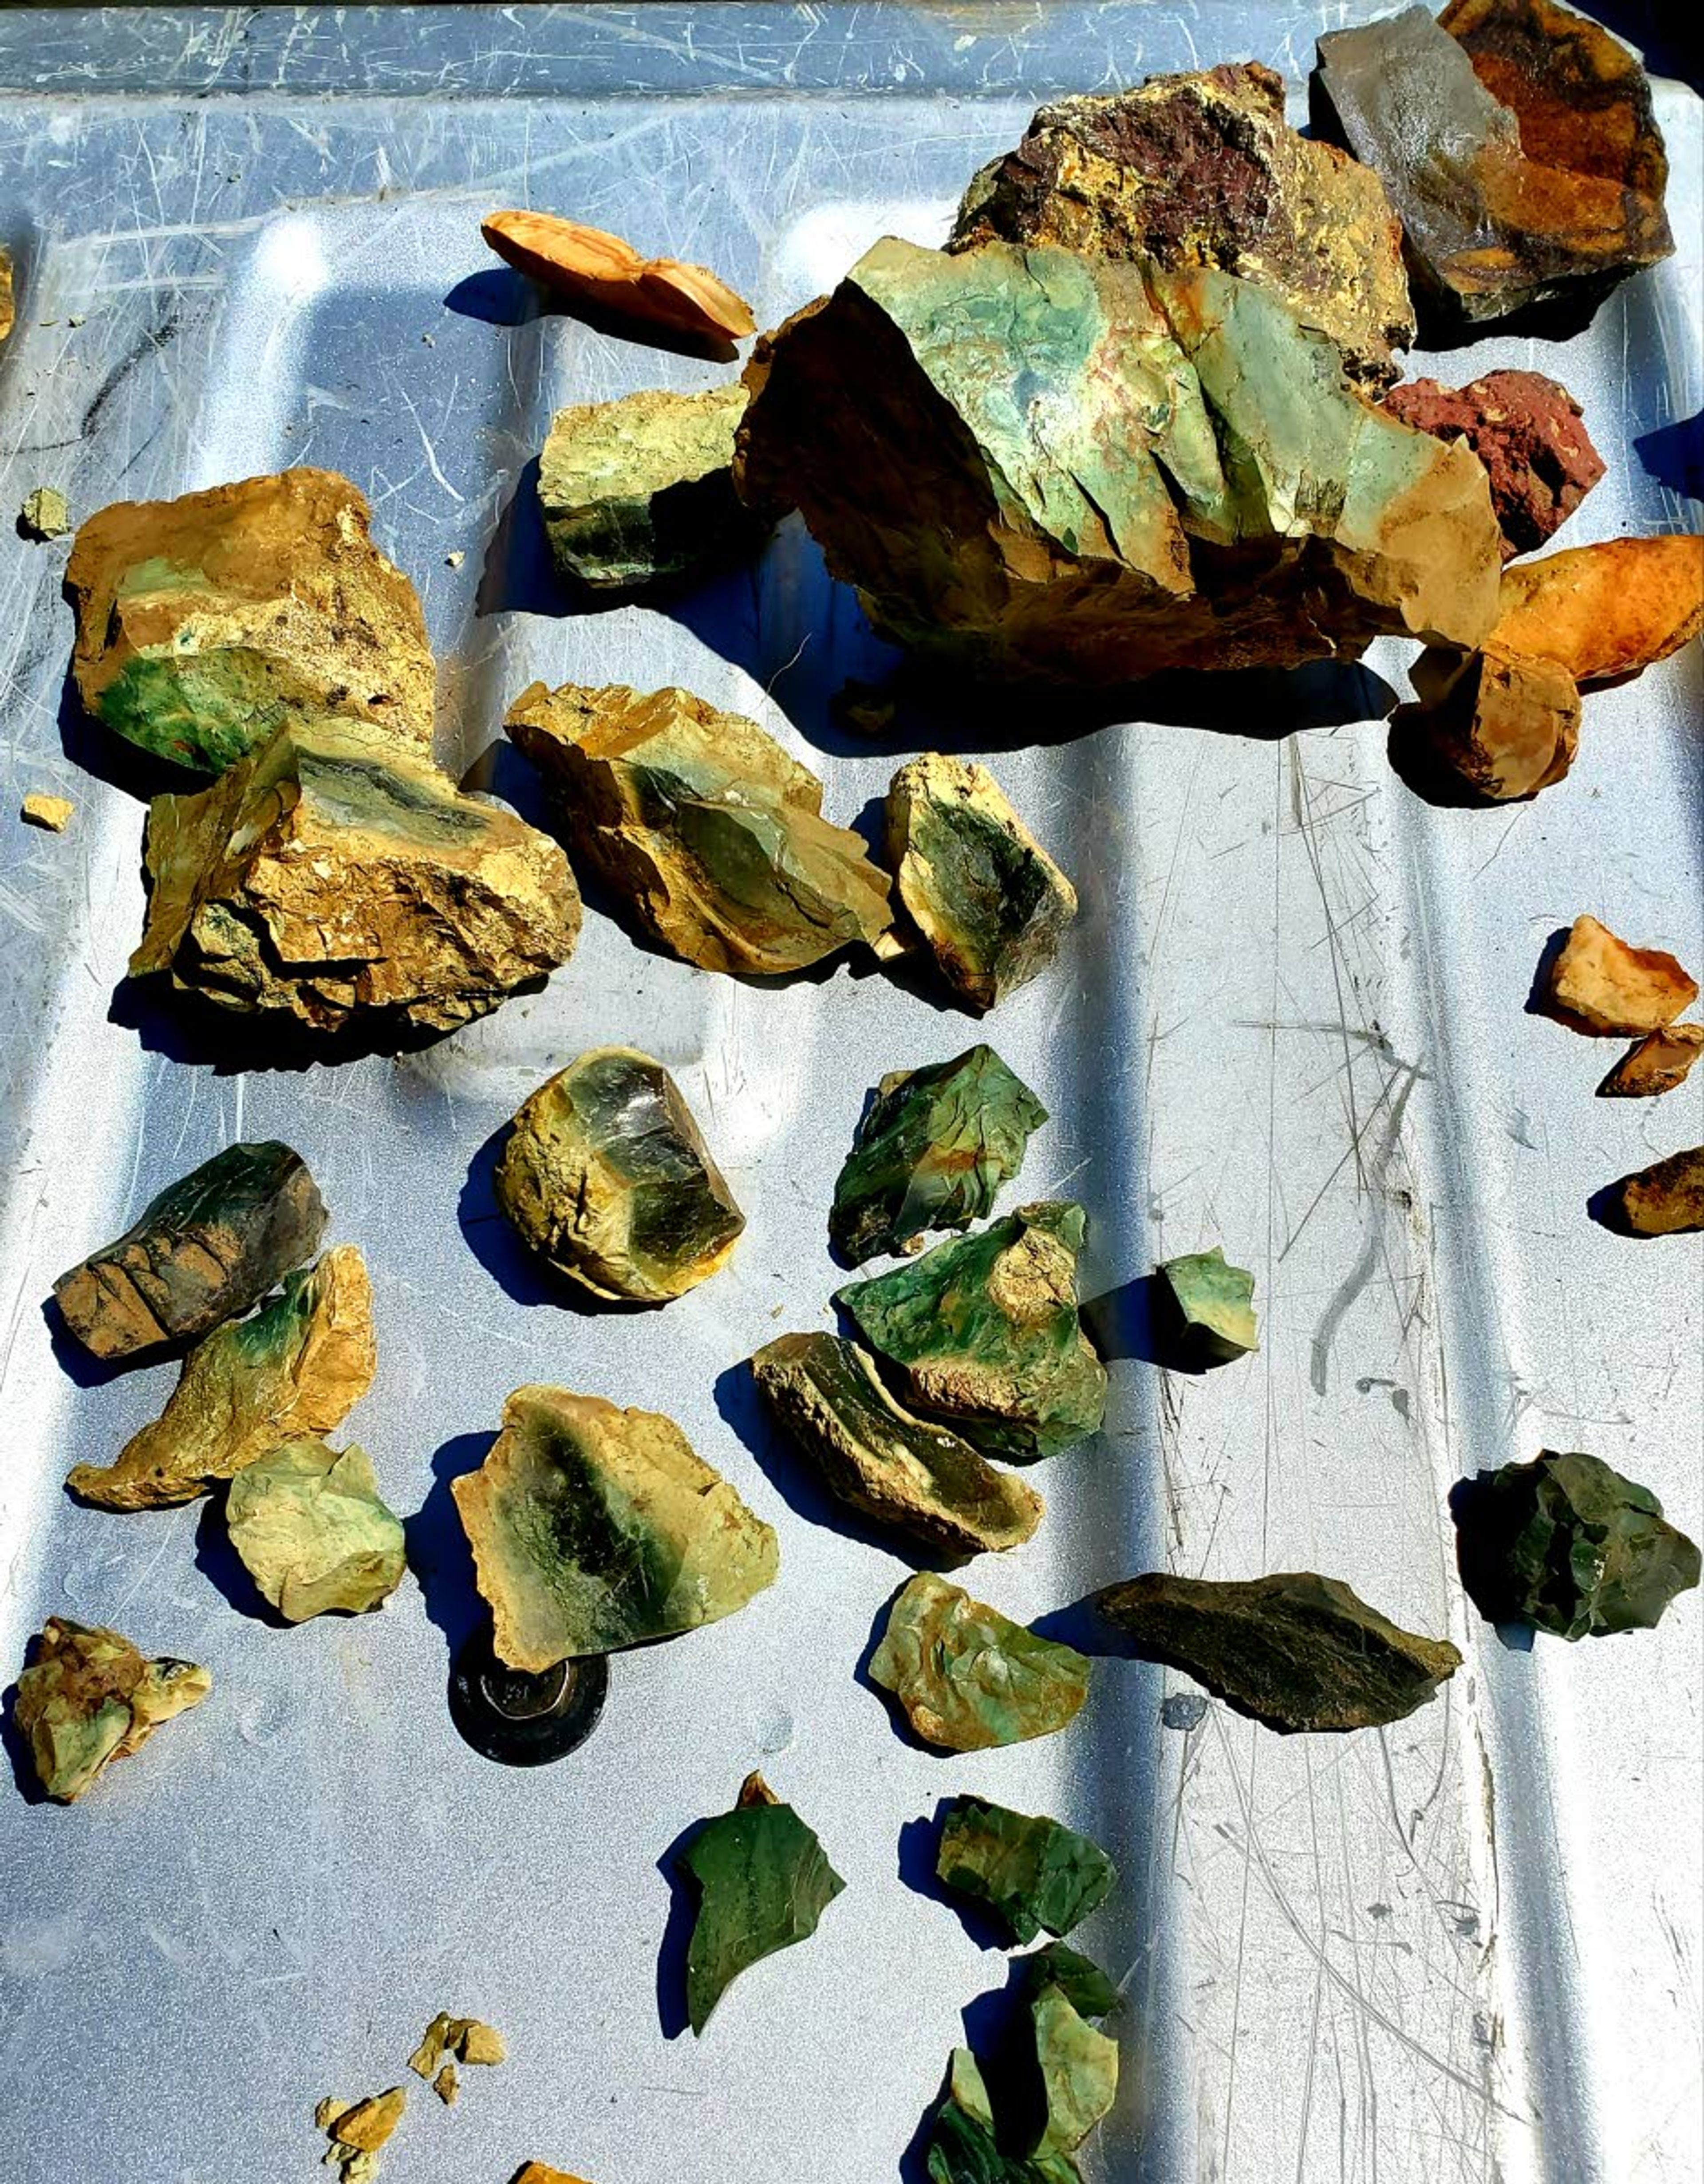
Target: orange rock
{"type": "Point", "coordinates": [592, 267]}
{"type": "Point", "coordinates": [536, 2172]}
{"type": "Point", "coordinates": [1607, 611]}
{"type": "Point", "coordinates": [1601, 983]}
{"type": "Point", "coordinates": [1654, 1064]}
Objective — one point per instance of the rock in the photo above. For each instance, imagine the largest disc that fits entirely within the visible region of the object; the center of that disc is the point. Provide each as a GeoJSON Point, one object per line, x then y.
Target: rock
{"type": "Point", "coordinates": [896, 1470]}
{"type": "Point", "coordinates": [367, 2126]}
{"type": "Point", "coordinates": [1572, 1547]}
{"type": "Point", "coordinates": [8, 309]}
{"type": "Point", "coordinates": [1600, 983]}
{"type": "Point", "coordinates": [1035, 1875]}
{"type": "Point", "coordinates": [1666, 1199]}
{"type": "Point", "coordinates": [931, 1153]}
{"type": "Point", "coordinates": [1121, 470]}
{"type": "Point", "coordinates": [1200, 170]}
{"type": "Point", "coordinates": [1215, 1302]}
{"type": "Point", "coordinates": [589, 266]}
{"type": "Point", "coordinates": [539, 2172]}
{"type": "Point", "coordinates": [328, 878]}
{"type": "Point", "coordinates": [208, 1247]}
{"type": "Point", "coordinates": [762, 1884]}
{"type": "Point", "coordinates": [969, 1678]}
{"type": "Point", "coordinates": [606, 1176]}
{"type": "Point", "coordinates": [52, 812]}
{"type": "Point", "coordinates": [1089, 1992]}
{"type": "Point", "coordinates": [1078, 2068]}
{"type": "Point", "coordinates": [1503, 206]}
{"type": "Point", "coordinates": [464, 2038]}
{"type": "Point", "coordinates": [594, 1528]}
{"type": "Point", "coordinates": [1605, 611]}
{"type": "Point", "coordinates": [447, 2084]}
{"type": "Point", "coordinates": [1655, 1064]}
{"type": "Point", "coordinates": [991, 904]}
{"type": "Point", "coordinates": [296, 1368]}
{"type": "Point", "coordinates": [964, 2144]}
{"type": "Point", "coordinates": [1506, 724]}
{"type": "Point", "coordinates": [206, 624]}
{"type": "Point", "coordinates": [640, 491]}
{"type": "Point", "coordinates": [313, 1532]}
{"type": "Point", "coordinates": [90, 1697]}
{"type": "Point", "coordinates": [984, 1331]}
{"type": "Point", "coordinates": [46, 514]}
{"type": "Point", "coordinates": [1529, 433]}
{"type": "Point", "coordinates": [1296, 1651]}
{"type": "Point", "coordinates": [712, 837]}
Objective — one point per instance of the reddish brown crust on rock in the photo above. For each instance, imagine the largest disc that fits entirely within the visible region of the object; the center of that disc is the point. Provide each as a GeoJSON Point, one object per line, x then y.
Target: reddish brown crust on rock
{"type": "Point", "coordinates": [1529, 433]}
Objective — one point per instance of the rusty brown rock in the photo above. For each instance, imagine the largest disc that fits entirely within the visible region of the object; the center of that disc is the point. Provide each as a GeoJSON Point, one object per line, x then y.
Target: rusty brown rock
{"type": "Point", "coordinates": [1605, 611]}
{"type": "Point", "coordinates": [1506, 724]}
{"type": "Point", "coordinates": [590, 266]}
{"type": "Point", "coordinates": [1655, 1064]}
{"type": "Point", "coordinates": [1529, 433]}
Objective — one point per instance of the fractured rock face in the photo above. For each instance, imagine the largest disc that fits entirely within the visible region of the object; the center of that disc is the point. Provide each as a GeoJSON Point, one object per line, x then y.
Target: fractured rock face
{"type": "Point", "coordinates": [1530, 434]}
{"type": "Point", "coordinates": [1200, 170]}
{"type": "Point", "coordinates": [1214, 1302]}
{"type": "Point", "coordinates": [1605, 611]}
{"type": "Point", "coordinates": [1035, 1874]}
{"type": "Point", "coordinates": [313, 1532]}
{"type": "Point", "coordinates": [328, 876]}
{"type": "Point", "coordinates": [1666, 1199]}
{"type": "Point", "coordinates": [1506, 724]}
{"type": "Point", "coordinates": [968, 1677]}
{"type": "Point", "coordinates": [205, 624]}
{"type": "Point", "coordinates": [1601, 983]}
{"type": "Point", "coordinates": [90, 1697]}
{"type": "Point", "coordinates": [1657, 1063]}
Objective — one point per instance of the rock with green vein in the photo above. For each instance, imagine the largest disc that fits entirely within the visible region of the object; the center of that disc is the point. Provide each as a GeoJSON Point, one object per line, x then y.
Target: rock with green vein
{"type": "Point", "coordinates": [313, 1531]}
{"type": "Point", "coordinates": [984, 1331]}
{"type": "Point", "coordinates": [1035, 1874]}
{"type": "Point", "coordinates": [89, 1697]}
{"type": "Point", "coordinates": [762, 1883]}
{"type": "Point", "coordinates": [968, 1677]}
{"type": "Point", "coordinates": [932, 1153]}
{"type": "Point", "coordinates": [900, 1471]}
{"type": "Point", "coordinates": [1216, 1301]}
{"type": "Point", "coordinates": [594, 1528]}
{"type": "Point", "coordinates": [1077, 2065]}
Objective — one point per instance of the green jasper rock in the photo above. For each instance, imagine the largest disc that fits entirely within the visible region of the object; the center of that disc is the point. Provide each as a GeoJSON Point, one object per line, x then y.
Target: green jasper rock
{"type": "Point", "coordinates": [1216, 1301]}
{"type": "Point", "coordinates": [1078, 2068]}
{"type": "Point", "coordinates": [1296, 1650]}
{"type": "Point", "coordinates": [594, 1528]}
{"type": "Point", "coordinates": [762, 1881]}
{"type": "Point", "coordinates": [1035, 1874]}
{"type": "Point", "coordinates": [963, 2146]}
{"type": "Point", "coordinates": [1572, 1547]}
{"type": "Point", "coordinates": [967, 1676]}
{"type": "Point", "coordinates": [90, 1697]}
{"type": "Point", "coordinates": [312, 1531]}
{"type": "Point", "coordinates": [606, 1176]}
{"type": "Point", "coordinates": [640, 491]}
{"type": "Point", "coordinates": [931, 1153]}
{"type": "Point", "coordinates": [985, 1331]}
{"type": "Point", "coordinates": [1089, 1992]}
{"type": "Point", "coordinates": [204, 1250]}
{"type": "Point", "coordinates": [991, 904]}
{"type": "Point", "coordinates": [896, 1470]}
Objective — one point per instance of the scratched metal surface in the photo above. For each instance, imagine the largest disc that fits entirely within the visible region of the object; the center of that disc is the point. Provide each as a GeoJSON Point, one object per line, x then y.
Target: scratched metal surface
{"type": "Point", "coordinates": [1292, 1020]}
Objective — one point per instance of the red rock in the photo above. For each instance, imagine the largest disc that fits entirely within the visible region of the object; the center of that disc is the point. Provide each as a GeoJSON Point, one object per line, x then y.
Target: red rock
{"type": "Point", "coordinates": [1527, 431]}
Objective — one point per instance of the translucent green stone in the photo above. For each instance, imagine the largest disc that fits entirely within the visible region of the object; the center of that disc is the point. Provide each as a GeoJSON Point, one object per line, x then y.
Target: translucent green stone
{"type": "Point", "coordinates": [967, 1676]}
{"type": "Point", "coordinates": [1217, 1301]}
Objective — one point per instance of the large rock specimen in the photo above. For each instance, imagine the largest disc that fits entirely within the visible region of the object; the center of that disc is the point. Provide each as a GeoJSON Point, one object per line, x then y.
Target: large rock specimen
{"type": "Point", "coordinates": [594, 1528]}
{"type": "Point", "coordinates": [1033, 463]}
{"type": "Point", "coordinates": [1033, 1873]}
{"type": "Point", "coordinates": [1605, 611]}
{"type": "Point", "coordinates": [762, 1882]}
{"type": "Point", "coordinates": [313, 1531]}
{"type": "Point", "coordinates": [203, 1250]}
{"type": "Point", "coordinates": [90, 1697]}
{"type": "Point", "coordinates": [205, 623]}
{"type": "Point", "coordinates": [1517, 142]}
{"type": "Point", "coordinates": [1530, 434]}
{"type": "Point", "coordinates": [707, 831]}
{"type": "Point", "coordinates": [328, 876]}
{"type": "Point", "coordinates": [1200, 170]}
{"type": "Point", "coordinates": [968, 1677]}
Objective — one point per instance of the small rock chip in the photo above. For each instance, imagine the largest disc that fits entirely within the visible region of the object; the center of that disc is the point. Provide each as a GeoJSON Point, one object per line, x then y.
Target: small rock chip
{"type": "Point", "coordinates": [1529, 432]}
{"type": "Point", "coordinates": [1035, 1875]}
{"type": "Point", "coordinates": [481, 2045]}
{"type": "Point", "coordinates": [1666, 1199]}
{"type": "Point", "coordinates": [312, 1531]}
{"type": "Point", "coordinates": [1506, 724]}
{"type": "Point", "coordinates": [968, 1677]}
{"type": "Point", "coordinates": [208, 1247]}
{"type": "Point", "coordinates": [447, 2085]}
{"type": "Point", "coordinates": [1296, 1650]}
{"type": "Point", "coordinates": [606, 1176]}
{"type": "Point", "coordinates": [9, 307]}
{"type": "Point", "coordinates": [1600, 983]}
{"type": "Point", "coordinates": [367, 2126]}
{"type": "Point", "coordinates": [991, 904]}
{"type": "Point", "coordinates": [539, 2172]}
{"type": "Point", "coordinates": [40, 809]}
{"type": "Point", "coordinates": [1655, 1064]}
{"type": "Point", "coordinates": [1078, 2068]}
{"type": "Point", "coordinates": [46, 514]}
{"type": "Point", "coordinates": [762, 1883]}
{"type": "Point", "coordinates": [589, 266]}
{"type": "Point", "coordinates": [90, 1697]}
{"type": "Point", "coordinates": [594, 1528]}
{"type": "Point", "coordinates": [297, 1366]}
{"type": "Point", "coordinates": [1217, 1301]}
{"type": "Point", "coordinates": [1606, 612]}
{"type": "Point", "coordinates": [897, 1470]}
{"type": "Point", "coordinates": [1572, 1547]}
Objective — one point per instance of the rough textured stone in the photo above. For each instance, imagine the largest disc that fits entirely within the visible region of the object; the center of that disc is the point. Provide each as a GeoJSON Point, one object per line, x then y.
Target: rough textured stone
{"type": "Point", "coordinates": [897, 1470]}
{"type": "Point", "coordinates": [589, 266]}
{"type": "Point", "coordinates": [607, 1176]}
{"type": "Point", "coordinates": [967, 1676]}
{"type": "Point", "coordinates": [762, 1883]}
{"type": "Point", "coordinates": [203, 1250]}
{"type": "Point", "coordinates": [1035, 464]}
{"type": "Point", "coordinates": [991, 904]}
{"type": "Point", "coordinates": [1215, 1302]}
{"type": "Point", "coordinates": [1296, 1651]}
{"type": "Point", "coordinates": [1506, 724]}
{"type": "Point", "coordinates": [1089, 1992]}
{"type": "Point", "coordinates": [313, 1532]}
{"type": "Point", "coordinates": [708, 831]}
{"type": "Point", "coordinates": [1078, 2068]}
{"type": "Point", "coordinates": [464, 2038]}
{"type": "Point", "coordinates": [1604, 611]}
{"type": "Point", "coordinates": [1666, 1199]}
{"type": "Point", "coordinates": [52, 812]}
{"type": "Point", "coordinates": [327, 878]}
{"type": "Point", "coordinates": [1600, 983]}
{"type": "Point", "coordinates": [46, 514]}
{"type": "Point", "coordinates": [1200, 170]}
{"type": "Point", "coordinates": [1530, 434]}
{"type": "Point", "coordinates": [1035, 1874]}
{"type": "Point", "coordinates": [89, 1697]}
{"type": "Point", "coordinates": [1653, 1065]}
{"type": "Point", "coordinates": [594, 1528]}
{"type": "Point", "coordinates": [206, 623]}
{"type": "Point", "coordinates": [297, 1366]}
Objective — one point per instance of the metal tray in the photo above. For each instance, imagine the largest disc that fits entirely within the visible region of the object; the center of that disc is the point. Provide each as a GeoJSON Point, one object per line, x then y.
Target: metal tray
{"type": "Point", "coordinates": [1293, 1018]}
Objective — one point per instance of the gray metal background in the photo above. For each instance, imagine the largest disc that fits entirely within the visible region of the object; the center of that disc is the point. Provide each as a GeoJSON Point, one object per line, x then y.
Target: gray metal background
{"type": "Point", "coordinates": [1292, 1020]}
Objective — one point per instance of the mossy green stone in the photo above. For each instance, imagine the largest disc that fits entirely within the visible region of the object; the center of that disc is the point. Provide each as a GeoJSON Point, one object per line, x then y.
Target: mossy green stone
{"type": "Point", "coordinates": [1035, 1874]}
{"type": "Point", "coordinates": [1078, 2068]}
{"type": "Point", "coordinates": [89, 1697]}
{"type": "Point", "coordinates": [1216, 1301]}
{"type": "Point", "coordinates": [964, 2146]}
{"type": "Point", "coordinates": [763, 1883]}
{"type": "Point", "coordinates": [969, 1677]}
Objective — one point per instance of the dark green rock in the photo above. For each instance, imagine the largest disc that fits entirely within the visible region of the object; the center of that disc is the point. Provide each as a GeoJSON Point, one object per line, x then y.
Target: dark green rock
{"type": "Point", "coordinates": [1216, 1303]}
{"type": "Point", "coordinates": [1034, 1873]}
{"type": "Point", "coordinates": [1090, 1992]}
{"type": "Point", "coordinates": [985, 1331]}
{"type": "Point", "coordinates": [1572, 1547]}
{"type": "Point", "coordinates": [205, 1250]}
{"type": "Point", "coordinates": [964, 2148]}
{"type": "Point", "coordinates": [932, 1153]}
{"type": "Point", "coordinates": [762, 1884]}
{"type": "Point", "coordinates": [969, 1677]}
{"type": "Point", "coordinates": [896, 1470]}
{"type": "Point", "coordinates": [1296, 1650]}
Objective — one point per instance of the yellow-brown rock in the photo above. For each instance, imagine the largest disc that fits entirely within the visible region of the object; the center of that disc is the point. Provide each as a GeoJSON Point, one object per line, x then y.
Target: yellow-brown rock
{"type": "Point", "coordinates": [590, 266]}
{"type": "Point", "coordinates": [1601, 983]}
{"type": "Point", "coordinates": [1655, 1064]}
{"type": "Point", "coordinates": [1666, 1199]}
{"type": "Point", "coordinates": [1507, 723]}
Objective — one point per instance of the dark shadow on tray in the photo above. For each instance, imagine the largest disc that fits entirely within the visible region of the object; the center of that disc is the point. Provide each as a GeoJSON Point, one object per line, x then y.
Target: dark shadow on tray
{"type": "Point", "coordinates": [1141, 1319]}
{"type": "Point", "coordinates": [518, 575]}
{"type": "Point", "coordinates": [224, 1568]}
{"type": "Point", "coordinates": [1608, 1208]}
{"type": "Point", "coordinates": [497, 296]}
{"type": "Point", "coordinates": [1539, 1002]}
{"type": "Point", "coordinates": [521, 1274]}
{"type": "Point", "coordinates": [101, 751]}
{"type": "Point", "coordinates": [1441, 331]}
{"type": "Point", "coordinates": [185, 1027]}
{"type": "Point", "coordinates": [1082, 1624]}
{"type": "Point", "coordinates": [1674, 454]}
{"type": "Point", "coordinates": [993, 2031]}
{"type": "Point", "coordinates": [677, 1933]}
{"type": "Point", "coordinates": [23, 1775]}
{"type": "Point", "coordinates": [919, 1844]}
{"type": "Point", "coordinates": [437, 1547]}
{"type": "Point", "coordinates": [1483, 1539]}
{"type": "Point", "coordinates": [1415, 761]}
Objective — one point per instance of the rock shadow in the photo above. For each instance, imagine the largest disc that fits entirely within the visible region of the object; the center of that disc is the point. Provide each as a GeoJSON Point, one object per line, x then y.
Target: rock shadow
{"type": "Point", "coordinates": [521, 1275]}
{"type": "Point", "coordinates": [919, 1844]}
{"type": "Point", "coordinates": [188, 1028]}
{"type": "Point", "coordinates": [1538, 1001]}
{"type": "Point", "coordinates": [1082, 1624]}
{"type": "Point", "coordinates": [676, 1932]}
{"type": "Point", "coordinates": [1674, 454]}
{"type": "Point", "coordinates": [225, 1569]}
{"type": "Point", "coordinates": [17, 1746]}
{"type": "Point", "coordinates": [1483, 1539]}
{"type": "Point", "coordinates": [1415, 761]}
{"type": "Point", "coordinates": [437, 1547]}
{"type": "Point", "coordinates": [1141, 1319]}
{"type": "Point", "coordinates": [1608, 1207]}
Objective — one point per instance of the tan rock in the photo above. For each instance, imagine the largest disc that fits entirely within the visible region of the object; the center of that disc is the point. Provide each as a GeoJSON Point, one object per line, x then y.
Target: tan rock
{"type": "Point", "coordinates": [1507, 723]}
{"type": "Point", "coordinates": [1666, 1199]}
{"type": "Point", "coordinates": [539, 2172]}
{"type": "Point", "coordinates": [589, 266]}
{"type": "Point", "coordinates": [369, 2124]}
{"type": "Point", "coordinates": [1601, 984]}
{"type": "Point", "coordinates": [52, 812]}
{"type": "Point", "coordinates": [1655, 1064]}
{"type": "Point", "coordinates": [1604, 611]}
